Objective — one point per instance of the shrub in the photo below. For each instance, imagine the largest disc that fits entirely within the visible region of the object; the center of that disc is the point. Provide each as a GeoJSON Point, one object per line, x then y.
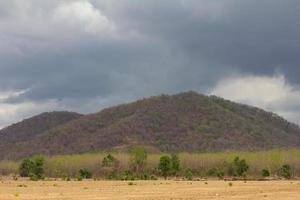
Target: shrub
{"type": "Point", "coordinates": [65, 177]}
{"type": "Point", "coordinates": [216, 172]}
{"type": "Point", "coordinates": [85, 173]}
{"type": "Point", "coordinates": [145, 176]}
{"type": "Point", "coordinates": [128, 175]}
{"type": "Point", "coordinates": [165, 166]}
{"type": "Point", "coordinates": [175, 164]}
{"type": "Point", "coordinates": [189, 174]}
{"type": "Point", "coordinates": [240, 167]}
{"type": "Point", "coordinates": [285, 171]}
{"type": "Point", "coordinates": [113, 175]}
{"type": "Point", "coordinates": [139, 157]}
{"type": "Point", "coordinates": [109, 161]}
{"type": "Point", "coordinates": [153, 177]}
{"type": "Point", "coordinates": [33, 177]}
{"type": "Point", "coordinates": [265, 173]}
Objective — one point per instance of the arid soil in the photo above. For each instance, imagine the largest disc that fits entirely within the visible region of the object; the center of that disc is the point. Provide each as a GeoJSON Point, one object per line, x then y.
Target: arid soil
{"type": "Point", "coordinates": [149, 190]}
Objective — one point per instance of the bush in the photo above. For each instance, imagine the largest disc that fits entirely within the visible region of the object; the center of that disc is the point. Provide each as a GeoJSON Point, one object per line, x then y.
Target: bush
{"type": "Point", "coordinates": [145, 176]}
{"type": "Point", "coordinates": [33, 177]}
{"type": "Point", "coordinates": [85, 173]}
{"type": "Point", "coordinates": [240, 167]}
{"type": "Point", "coordinates": [175, 164]}
{"type": "Point", "coordinates": [33, 169]}
{"type": "Point", "coordinates": [165, 166]}
{"type": "Point", "coordinates": [189, 174]}
{"type": "Point", "coordinates": [109, 161]}
{"type": "Point", "coordinates": [216, 172]}
{"type": "Point", "coordinates": [139, 157]}
{"type": "Point", "coordinates": [153, 177]}
{"type": "Point", "coordinates": [285, 171]}
{"type": "Point", "coordinates": [265, 173]}
{"type": "Point", "coordinates": [128, 175]}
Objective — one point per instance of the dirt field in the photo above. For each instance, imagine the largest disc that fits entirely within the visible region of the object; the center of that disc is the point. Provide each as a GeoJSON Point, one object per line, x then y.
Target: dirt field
{"type": "Point", "coordinates": [149, 190]}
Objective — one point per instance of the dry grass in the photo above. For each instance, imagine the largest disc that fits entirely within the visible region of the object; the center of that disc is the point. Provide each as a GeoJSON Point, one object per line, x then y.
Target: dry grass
{"type": "Point", "coordinates": [8, 167]}
{"type": "Point", "coordinates": [146, 190]}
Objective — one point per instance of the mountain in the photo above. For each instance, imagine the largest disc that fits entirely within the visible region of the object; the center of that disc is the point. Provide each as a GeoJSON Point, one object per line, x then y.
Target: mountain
{"type": "Point", "coordinates": [28, 129]}
{"type": "Point", "coordinates": [184, 122]}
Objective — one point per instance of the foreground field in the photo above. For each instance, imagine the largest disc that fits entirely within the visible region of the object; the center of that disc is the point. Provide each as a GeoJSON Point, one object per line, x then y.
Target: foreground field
{"type": "Point", "coordinates": [149, 190]}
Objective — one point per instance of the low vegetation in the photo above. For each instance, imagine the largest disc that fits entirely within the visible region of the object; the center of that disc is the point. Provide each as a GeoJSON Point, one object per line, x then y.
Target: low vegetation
{"type": "Point", "coordinates": [286, 171]}
{"type": "Point", "coordinates": [85, 173]}
{"type": "Point", "coordinates": [265, 173]}
{"type": "Point", "coordinates": [140, 165]}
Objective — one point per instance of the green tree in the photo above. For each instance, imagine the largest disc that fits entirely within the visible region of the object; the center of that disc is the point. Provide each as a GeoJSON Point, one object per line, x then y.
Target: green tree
{"type": "Point", "coordinates": [39, 167]}
{"type": "Point", "coordinates": [26, 167]}
{"type": "Point", "coordinates": [32, 168]}
{"type": "Point", "coordinates": [139, 157]}
{"type": "Point", "coordinates": [175, 164]}
{"type": "Point", "coordinates": [165, 166]}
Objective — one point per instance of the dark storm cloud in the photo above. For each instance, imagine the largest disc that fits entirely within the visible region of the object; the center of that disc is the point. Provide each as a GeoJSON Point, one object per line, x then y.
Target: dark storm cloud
{"type": "Point", "coordinates": [88, 50]}
{"type": "Point", "coordinates": [254, 36]}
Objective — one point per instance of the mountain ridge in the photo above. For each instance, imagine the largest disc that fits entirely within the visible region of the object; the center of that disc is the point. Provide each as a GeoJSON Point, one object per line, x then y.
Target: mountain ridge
{"type": "Point", "coordinates": [187, 121]}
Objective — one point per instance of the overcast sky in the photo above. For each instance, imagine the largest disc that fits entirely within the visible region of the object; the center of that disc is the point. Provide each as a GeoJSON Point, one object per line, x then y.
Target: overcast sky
{"type": "Point", "coordinates": [85, 55]}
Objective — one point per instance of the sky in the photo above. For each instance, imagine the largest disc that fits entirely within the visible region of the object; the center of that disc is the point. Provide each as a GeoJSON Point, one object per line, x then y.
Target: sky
{"type": "Point", "coordinates": [86, 55]}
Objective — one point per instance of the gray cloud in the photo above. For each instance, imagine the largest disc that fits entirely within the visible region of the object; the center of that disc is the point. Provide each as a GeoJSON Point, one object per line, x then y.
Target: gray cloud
{"type": "Point", "coordinates": [84, 55]}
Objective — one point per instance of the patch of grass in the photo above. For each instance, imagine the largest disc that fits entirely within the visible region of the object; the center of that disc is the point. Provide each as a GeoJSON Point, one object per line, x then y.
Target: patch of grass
{"type": "Point", "coordinates": [131, 183]}
{"type": "Point", "coordinates": [16, 194]}
{"type": "Point", "coordinates": [21, 185]}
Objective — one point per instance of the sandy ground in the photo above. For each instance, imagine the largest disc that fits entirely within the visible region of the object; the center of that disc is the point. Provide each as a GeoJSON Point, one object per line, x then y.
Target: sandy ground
{"type": "Point", "coordinates": [149, 190]}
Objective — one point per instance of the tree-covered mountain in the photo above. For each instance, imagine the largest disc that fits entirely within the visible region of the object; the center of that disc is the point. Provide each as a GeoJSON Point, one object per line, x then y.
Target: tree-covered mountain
{"type": "Point", "coordinates": [184, 122]}
{"type": "Point", "coordinates": [28, 129]}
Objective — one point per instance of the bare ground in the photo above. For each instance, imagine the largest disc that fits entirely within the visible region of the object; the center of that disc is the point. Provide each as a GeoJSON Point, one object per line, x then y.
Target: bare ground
{"type": "Point", "coordinates": [149, 190]}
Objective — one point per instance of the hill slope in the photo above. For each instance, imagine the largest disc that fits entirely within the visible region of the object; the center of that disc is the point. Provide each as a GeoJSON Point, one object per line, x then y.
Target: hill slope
{"type": "Point", "coordinates": [28, 129]}
{"type": "Point", "coordinates": [183, 122]}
